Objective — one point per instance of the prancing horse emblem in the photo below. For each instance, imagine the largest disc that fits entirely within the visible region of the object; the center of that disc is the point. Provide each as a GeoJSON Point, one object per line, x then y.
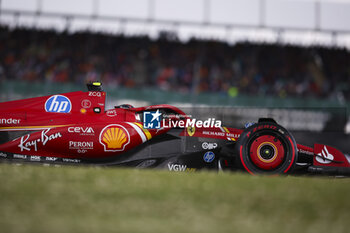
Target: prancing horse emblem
{"type": "Point", "coordinates": [191, 130]}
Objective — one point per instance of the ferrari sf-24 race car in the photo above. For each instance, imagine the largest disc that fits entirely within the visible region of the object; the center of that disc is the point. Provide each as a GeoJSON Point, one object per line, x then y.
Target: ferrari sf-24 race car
{"type": "Point", "coordinates": [75, 128]}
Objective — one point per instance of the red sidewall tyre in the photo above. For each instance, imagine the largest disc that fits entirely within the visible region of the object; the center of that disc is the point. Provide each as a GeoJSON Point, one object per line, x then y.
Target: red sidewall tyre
{"type": "Point", "coordinates": [266, 148]}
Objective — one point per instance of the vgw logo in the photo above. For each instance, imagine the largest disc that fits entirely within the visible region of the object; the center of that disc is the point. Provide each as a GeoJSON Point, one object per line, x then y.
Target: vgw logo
{"type": "Point", "coordinates": [58, 103]}
{"type": "Point", "coordinates": [151, 120]}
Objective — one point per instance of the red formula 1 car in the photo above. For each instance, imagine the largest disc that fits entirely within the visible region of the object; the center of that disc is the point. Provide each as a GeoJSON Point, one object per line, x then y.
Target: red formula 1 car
{"type": "Point", "coordinates": [76, 128]}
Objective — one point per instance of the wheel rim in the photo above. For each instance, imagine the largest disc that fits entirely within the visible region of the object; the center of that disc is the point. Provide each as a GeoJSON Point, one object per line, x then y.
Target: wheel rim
{"type": "Point", "coordinates": [267, 152]}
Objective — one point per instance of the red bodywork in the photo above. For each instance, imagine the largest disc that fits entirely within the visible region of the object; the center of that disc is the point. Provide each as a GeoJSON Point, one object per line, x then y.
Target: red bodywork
{"type": "Point", "coordinates": [76, 125]}
{"type": "Point", "coordinates": [86, 131]}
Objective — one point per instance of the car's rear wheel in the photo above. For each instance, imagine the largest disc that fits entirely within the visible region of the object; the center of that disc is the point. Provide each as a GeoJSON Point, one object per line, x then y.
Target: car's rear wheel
{"type": "Point", "coordinates": [266, 148]}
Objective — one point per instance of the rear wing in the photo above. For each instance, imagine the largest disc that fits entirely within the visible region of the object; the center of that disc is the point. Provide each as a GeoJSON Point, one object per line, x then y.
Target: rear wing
{"type": "Point", "coordinates": [51, 110]}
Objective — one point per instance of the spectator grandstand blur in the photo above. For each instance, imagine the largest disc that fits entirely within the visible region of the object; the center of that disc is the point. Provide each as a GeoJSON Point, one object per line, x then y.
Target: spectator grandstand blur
{"type": "Point", "coordinates": [167, 63]}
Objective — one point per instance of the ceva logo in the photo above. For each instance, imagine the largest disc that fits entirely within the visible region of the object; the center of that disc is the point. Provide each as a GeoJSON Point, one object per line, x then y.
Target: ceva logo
{"type": "Point", "coordinates": [58, 104]}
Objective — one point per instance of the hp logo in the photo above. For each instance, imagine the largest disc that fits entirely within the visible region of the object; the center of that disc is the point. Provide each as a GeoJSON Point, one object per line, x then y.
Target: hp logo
{"type": "Point", "coordinates": [59, 104]}
{"type": "Point", "coordinates": [209, 157]}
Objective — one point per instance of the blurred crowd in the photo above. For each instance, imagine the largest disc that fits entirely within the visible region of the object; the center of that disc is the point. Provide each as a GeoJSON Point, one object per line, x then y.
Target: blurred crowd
{"type": "Point", "coordinates": [168, 64]}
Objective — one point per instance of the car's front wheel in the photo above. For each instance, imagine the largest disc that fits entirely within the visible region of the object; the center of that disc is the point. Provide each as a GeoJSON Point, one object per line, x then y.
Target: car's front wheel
{"type": "Point", "coordinates": [266, 148]}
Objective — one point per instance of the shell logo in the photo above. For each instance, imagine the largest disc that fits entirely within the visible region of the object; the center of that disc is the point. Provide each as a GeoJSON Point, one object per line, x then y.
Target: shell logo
{"type": "Point", "coordinates": [114, 138]}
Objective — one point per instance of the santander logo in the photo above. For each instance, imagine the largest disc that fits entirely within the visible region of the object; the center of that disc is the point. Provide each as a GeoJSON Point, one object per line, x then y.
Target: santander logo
{"type": "Point", "coordinates": [324, 157]}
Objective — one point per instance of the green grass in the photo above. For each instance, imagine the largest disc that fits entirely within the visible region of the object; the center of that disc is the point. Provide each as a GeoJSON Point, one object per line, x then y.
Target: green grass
{"type": "Point", "coordinates": [87, 199]}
